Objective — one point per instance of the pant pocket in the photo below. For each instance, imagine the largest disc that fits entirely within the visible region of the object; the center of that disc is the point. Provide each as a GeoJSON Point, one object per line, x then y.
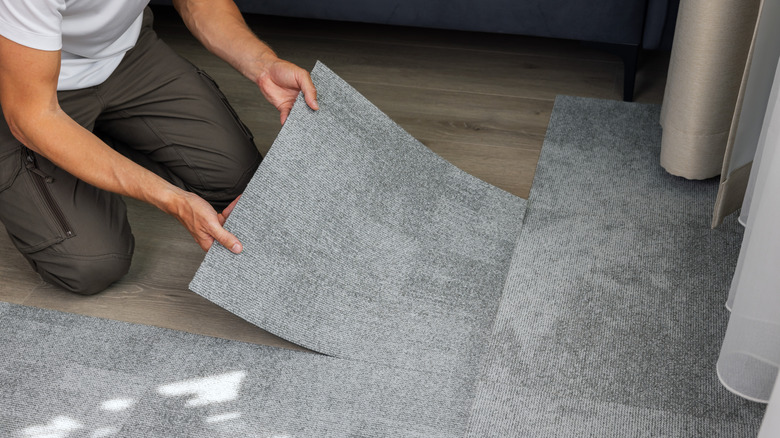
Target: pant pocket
{"type": "Point", "coordinates": [28, 210]}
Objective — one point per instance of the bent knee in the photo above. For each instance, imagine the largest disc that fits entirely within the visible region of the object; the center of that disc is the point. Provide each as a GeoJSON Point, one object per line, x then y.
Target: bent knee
{"type": "Point", "coordinates": [222, 191]}
{"type": "Point", "coordinates": [83, 275]}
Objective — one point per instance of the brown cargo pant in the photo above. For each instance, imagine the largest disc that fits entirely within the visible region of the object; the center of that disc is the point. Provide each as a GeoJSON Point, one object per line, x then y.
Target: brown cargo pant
{"type": "Point", "coordinates": [157, 109]}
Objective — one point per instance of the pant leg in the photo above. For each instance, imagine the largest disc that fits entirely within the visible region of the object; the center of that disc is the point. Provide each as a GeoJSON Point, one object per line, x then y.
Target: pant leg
{"type": "Point", "coordinates": [73, 234]}
{"type": "Point", "coordinates": [167, 115]}
{"type": "Point", "coordinates": [171, 117]}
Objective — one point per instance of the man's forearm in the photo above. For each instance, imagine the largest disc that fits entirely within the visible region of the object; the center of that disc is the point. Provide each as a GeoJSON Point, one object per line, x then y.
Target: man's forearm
{"type": "Point", "coordinates": [220, 27]}
{"type": "Point", "coordinates": [79, 152]}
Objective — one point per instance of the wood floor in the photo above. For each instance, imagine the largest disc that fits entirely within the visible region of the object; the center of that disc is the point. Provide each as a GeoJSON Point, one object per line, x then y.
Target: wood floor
{"type": "Point", "coordinates": [481, 101]}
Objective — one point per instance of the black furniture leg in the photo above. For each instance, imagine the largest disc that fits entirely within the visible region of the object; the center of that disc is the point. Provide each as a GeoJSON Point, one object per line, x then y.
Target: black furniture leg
{"type": "Point", "coordinates": [629, 53]}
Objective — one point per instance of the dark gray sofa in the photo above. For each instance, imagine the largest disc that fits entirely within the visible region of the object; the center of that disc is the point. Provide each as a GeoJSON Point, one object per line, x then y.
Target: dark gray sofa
{"type": "Point", "coordinates": [621, 26]}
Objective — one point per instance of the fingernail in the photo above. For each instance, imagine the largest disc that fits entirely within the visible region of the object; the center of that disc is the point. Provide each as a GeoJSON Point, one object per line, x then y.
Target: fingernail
{"type": "Point", "coordinates": [236, 248]}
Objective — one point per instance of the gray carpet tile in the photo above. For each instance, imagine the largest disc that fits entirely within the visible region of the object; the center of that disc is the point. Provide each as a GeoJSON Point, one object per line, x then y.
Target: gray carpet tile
{"type": "Point", "coordinates": [613, 312]}
{"type": "Point", "coordinates": [71, 375]}
{"type": "Point", "coordinates": [522, 411]}
{"type": "Point", "coordinates": [361, 243]}
{"type": "Point", "coordinates": [609, 325]}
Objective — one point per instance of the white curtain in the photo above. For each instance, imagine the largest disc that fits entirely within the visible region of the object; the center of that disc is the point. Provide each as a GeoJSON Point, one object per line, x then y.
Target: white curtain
{"type": "Point", "coordinates": [747, 121]}
{"type": "Point", "coordinates": [750, 355]}
{"type": "Point", "coordinates": [770, 428]}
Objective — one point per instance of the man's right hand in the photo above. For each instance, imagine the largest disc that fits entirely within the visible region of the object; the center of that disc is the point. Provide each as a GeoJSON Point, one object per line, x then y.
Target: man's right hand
{"type": "Point", "coordinates": [202, 221]}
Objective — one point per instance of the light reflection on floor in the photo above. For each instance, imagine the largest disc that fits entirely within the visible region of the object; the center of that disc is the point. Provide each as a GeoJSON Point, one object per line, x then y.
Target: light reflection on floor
{"type": "Point", "coordinates": [206, 390]}
{"type": "Point", "coordinates": [58, 427]}
{"type": "Point", "coordinates": [199, 391]}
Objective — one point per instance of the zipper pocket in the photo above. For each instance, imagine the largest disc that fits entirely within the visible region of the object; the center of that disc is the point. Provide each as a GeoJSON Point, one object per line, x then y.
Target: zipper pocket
{"type": "Point", "coordinates": [41, 179]}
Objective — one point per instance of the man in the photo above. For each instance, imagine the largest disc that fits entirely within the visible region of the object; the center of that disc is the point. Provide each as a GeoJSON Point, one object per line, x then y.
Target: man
{"type": "Point", "coordinates": [79, 75]}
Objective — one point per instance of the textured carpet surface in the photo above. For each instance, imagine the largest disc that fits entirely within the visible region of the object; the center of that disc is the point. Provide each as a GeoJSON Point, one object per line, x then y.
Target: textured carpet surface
{"type": "Point", "coordinates": [613, 313]}
{"type": "Point", "coordinates": [609, 326]}
{"type": "Point", "coordinates": [65, 375]}
{"type": "Point", "coordinates": [361, 243]}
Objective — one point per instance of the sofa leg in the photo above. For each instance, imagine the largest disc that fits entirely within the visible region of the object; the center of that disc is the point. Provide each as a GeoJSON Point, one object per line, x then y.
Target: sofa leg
{"type": "Point", "coordinates": [629, 53]}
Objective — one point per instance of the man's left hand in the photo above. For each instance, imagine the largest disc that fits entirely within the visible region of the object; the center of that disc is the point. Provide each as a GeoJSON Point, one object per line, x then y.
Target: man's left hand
{"type": "Point", "coordinates": [280, 84]}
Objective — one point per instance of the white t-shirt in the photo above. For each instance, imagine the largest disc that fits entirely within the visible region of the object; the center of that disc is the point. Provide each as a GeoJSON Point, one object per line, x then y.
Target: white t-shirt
{"type": "Point", "coordinates": [92, 34]}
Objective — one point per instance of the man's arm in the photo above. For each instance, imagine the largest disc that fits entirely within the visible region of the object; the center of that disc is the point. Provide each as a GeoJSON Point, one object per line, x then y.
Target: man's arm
{"type": "Point", "coordinates": [28, 96]}
{"type": "Point", "coordinates": [218, 24]}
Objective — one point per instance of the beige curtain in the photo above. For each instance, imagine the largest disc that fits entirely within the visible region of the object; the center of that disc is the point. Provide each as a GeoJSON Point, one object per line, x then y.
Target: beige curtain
{"type": "Point", "coordinates": [708, 62]}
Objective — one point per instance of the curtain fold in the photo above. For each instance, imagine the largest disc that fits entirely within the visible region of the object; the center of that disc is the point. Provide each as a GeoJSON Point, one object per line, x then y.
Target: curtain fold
{"type": "Point", "coordinates": [709, 55]}
{"type": "Point", "coordinates": [751, 105]}
{"type": "Point", "coordinates": [750, 354]}
{"type": "Point", "coordinates": [770, 427]}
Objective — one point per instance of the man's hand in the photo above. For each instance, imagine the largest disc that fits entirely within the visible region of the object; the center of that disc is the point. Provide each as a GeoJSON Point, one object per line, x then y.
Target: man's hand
{"type": "Point", "coordinates": [280, 84]}
{"type": "Point", "coordinates": [219, 25]}
{"type": "Point", "coordinates": [203, 222]}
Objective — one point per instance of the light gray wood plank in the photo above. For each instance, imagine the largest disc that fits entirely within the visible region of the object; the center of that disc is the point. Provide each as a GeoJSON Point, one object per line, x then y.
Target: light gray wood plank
{"type": "Point", "coordinates": [444, 69]}
{"type": "Point", "coordinates": [508, 168]}
{"type": "Point", "coordinates": [16, 275]}
{"type": "Point", "coordinates": [274, 27]}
